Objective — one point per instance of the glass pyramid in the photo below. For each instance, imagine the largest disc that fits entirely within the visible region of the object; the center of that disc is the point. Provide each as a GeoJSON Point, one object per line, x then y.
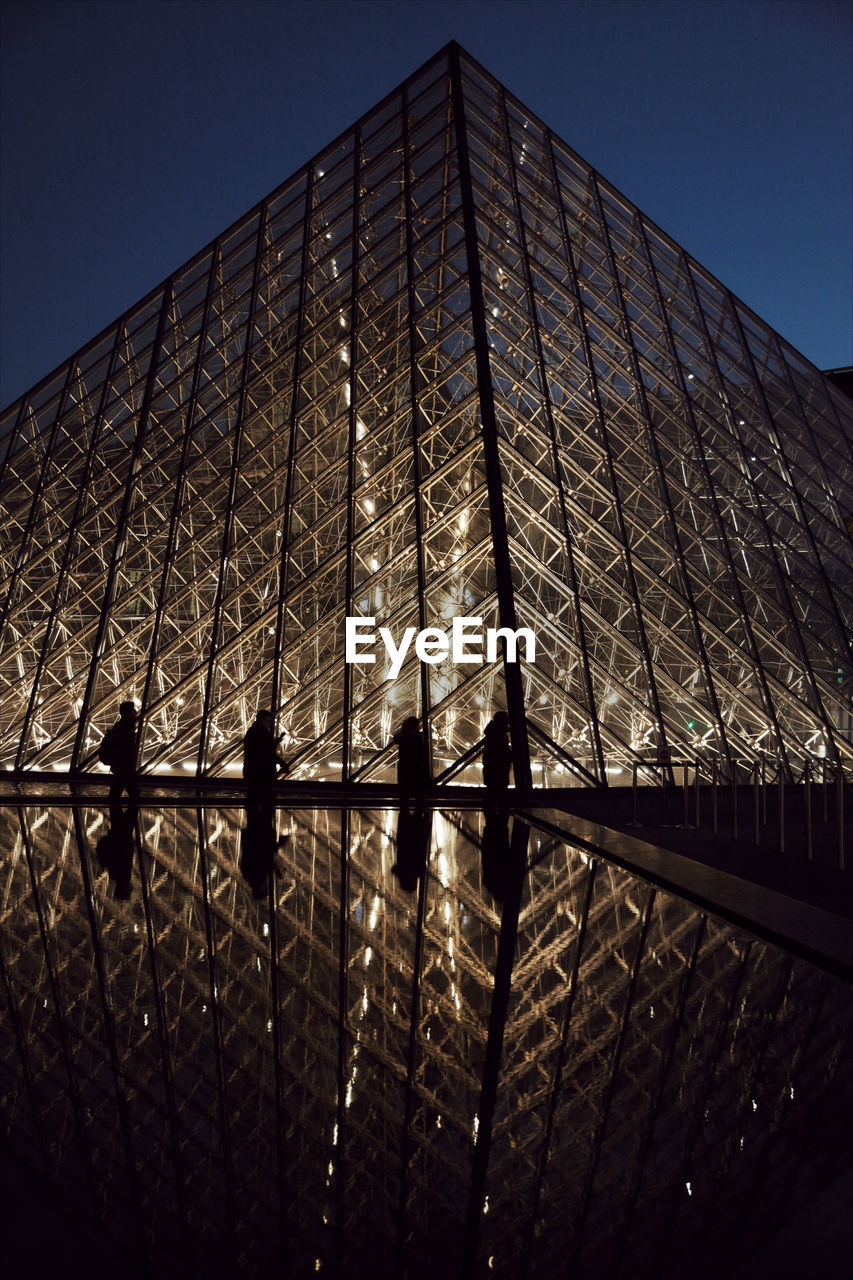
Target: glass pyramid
{"type": "Point", "coordinates": [444, 370]}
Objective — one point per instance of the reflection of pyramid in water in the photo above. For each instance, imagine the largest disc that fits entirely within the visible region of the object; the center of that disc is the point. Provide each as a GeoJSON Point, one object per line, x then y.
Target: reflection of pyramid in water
{"type": "Point", "coordinates": [444, 369]}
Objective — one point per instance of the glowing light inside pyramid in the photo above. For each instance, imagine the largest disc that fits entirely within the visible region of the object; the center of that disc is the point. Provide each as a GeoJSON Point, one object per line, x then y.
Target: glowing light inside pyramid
{"type": "Point", "coordinates": [295, 427]}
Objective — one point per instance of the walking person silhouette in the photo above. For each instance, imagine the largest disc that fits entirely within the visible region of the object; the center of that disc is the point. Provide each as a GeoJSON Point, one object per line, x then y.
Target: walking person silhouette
{"type": "Point", "coordinates": [118, 750]}
{"type": "Point", "coordinates": [412, 763]}
{"type": "Point", "coordinates": [497, 758]}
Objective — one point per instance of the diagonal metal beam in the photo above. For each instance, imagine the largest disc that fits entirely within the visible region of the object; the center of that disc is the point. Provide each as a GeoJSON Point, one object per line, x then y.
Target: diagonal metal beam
{"type": "Point", "coordinates": [714, 364]}
{"type": "Point", "coordinates": [494, 1047]}
{"type": "Point", "coordinates": [784, 580]}
{"type": "Point", "coordinates": [178, 499]}
{"type": "Point", "coordinates": [665, 494]}
{"type": "Point", "coordinates": [21, 561]}
{"type": "Point", "coordinates": [291, 446]}
{"type": "Point", "coordinates": [555, 459]}
{"type": "Point", "coordinates": [595, 391]}
{"type": "Point", "coordinates": [120, 540]}
{"type": "Point", "coordinates": [500, 544]}
{"type": "Point", "coordinates": [413, 402]}
{"type": "Point", "coordinates": [228, 515]}
{"type": "Point", "coordinates": [61, 577]}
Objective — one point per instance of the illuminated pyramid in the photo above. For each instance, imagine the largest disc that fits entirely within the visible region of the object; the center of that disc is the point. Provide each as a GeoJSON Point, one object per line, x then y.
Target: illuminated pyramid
{"type": "Point", "coordinates": [444, 370]}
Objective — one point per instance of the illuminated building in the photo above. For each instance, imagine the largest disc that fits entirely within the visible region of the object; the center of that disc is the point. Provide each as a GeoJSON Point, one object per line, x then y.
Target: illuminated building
{"type": "Point", "coordinates": [443, 370]}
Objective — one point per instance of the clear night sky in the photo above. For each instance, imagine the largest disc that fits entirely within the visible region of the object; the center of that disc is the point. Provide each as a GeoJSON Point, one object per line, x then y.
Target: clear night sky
{"type": "Point", "coordinates": [134, 131]}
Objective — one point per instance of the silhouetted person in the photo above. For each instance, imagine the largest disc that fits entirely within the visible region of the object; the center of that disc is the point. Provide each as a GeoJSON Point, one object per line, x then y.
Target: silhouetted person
{"type": "Point", "coordinates": [258, 849]}
{"type": "Point", "coordinates": [115, 853]}
{"type": "Point", "coordinates": [413, 832]}
{"type": "Point", "coordinates": [261, 763]}
{"type": "Point", "coordinates": [118, 750]}
{"type": "Point", "coordinates": [497, 758]}
{"type": "Point", "coordinates": [495, 852]}
{"type": "Point", "coordinates": [412, 766]}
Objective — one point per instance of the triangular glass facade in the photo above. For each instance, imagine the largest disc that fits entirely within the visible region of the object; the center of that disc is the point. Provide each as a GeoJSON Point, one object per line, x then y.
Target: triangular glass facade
{"type": "Point", "coordinates": [445, 369]}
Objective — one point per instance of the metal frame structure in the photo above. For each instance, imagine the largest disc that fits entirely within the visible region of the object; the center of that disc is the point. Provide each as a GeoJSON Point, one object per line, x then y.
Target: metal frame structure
{"type": "Point", "coordinates": [443, 369]}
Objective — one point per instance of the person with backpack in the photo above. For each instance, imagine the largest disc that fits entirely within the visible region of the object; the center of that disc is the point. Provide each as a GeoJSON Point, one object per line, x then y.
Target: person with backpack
{"type": "Point", "coordinates": [118, 750]}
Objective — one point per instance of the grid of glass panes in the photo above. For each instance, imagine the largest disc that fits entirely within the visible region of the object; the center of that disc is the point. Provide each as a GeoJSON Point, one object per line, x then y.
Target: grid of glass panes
{"type": "Point", "coordinates": [665, 462]}
{"type": "Point", "coordinates": [290, 431]}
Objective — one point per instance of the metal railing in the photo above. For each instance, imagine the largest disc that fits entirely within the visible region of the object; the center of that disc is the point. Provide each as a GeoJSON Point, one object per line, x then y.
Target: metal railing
{"type": "Point", "coordinates": [819, 776]}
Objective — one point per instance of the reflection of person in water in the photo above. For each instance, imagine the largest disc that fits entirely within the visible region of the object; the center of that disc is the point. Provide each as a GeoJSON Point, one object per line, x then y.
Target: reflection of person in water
{"type": "Point", "coordinates": [115, 853]}
{"type": "Point", "coordinates": [497, 758]}
{"type": "Point", "coordinates": [495, 851]}
{"type": "Point", "coordinates": [258, 850]}
{"type": "Point", "coordinates": [413, 833]}
{"type": "Point", "coordinates": [412, 764]}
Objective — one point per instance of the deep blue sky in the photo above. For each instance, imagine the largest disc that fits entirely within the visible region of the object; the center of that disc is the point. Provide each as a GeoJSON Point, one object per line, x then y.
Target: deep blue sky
{"type": "Point", "coordinates": [134, 131]}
